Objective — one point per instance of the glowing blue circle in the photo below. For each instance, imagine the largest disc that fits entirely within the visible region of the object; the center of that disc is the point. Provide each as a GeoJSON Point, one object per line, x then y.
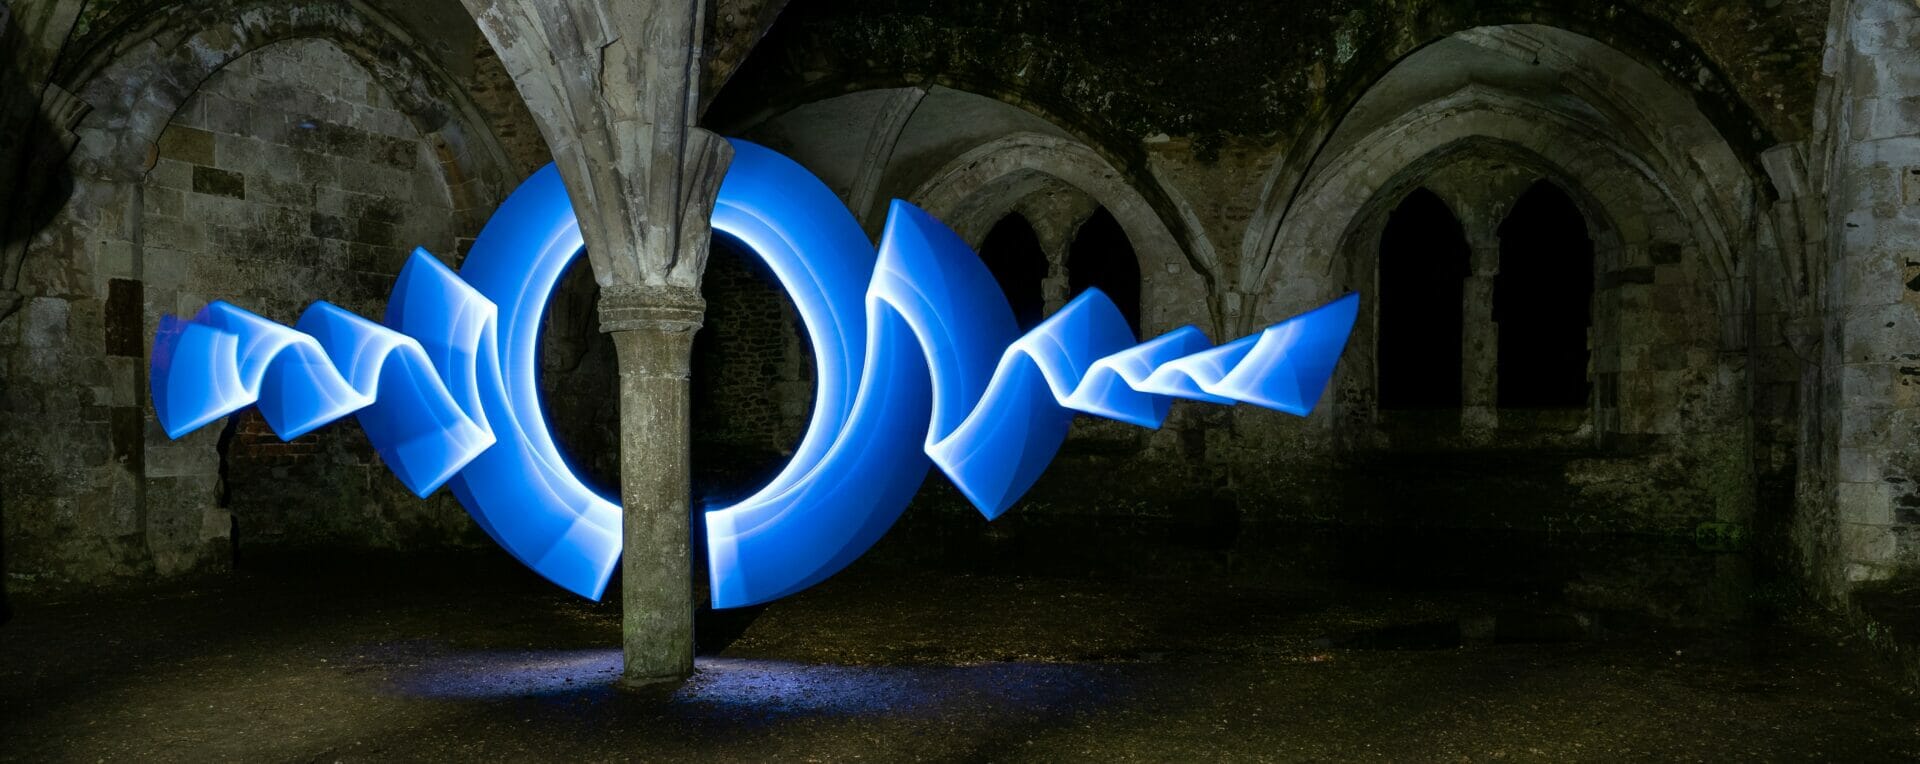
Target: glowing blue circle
{"type": "Point", "coordinates": [918, 361]}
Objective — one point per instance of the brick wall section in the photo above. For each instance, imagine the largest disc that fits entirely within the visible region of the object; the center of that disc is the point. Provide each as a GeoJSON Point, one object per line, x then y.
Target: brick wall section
{"type": "Point", "coordinates": [291, 177]}
{"type": "Point", "coordinates": [1874, 287]}
{"type": "Point", "coordinates": [499, 102]}
{"type": "Point", "coordinates": [580, 382]}
{"type": "Point", "coordinates": [755, 388]}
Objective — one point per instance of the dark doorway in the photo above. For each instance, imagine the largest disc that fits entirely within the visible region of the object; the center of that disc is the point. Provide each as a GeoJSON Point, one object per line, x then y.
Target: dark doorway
{"type": "Point", "coordinates": [1423, 262]}
{"type": "Point", "coordinates": [1102, 258]}
{"type": "Point", "coordinates": [1012, 252]}
{"type": "Point", "coordinates": [1542, 301]}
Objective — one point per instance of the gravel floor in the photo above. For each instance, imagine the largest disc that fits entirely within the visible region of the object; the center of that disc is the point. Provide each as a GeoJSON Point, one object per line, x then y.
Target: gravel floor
{"type": "Point", "coordinates": [468, 658]}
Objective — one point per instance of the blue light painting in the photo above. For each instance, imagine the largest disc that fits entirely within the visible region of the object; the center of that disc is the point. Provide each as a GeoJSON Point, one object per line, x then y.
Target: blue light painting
{"type": "Point", "coordinates": [918, 364]}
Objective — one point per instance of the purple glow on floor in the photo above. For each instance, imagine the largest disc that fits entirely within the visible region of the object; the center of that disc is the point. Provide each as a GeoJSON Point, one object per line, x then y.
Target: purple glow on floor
{"type": "Point", "coordinates": [764, 687]}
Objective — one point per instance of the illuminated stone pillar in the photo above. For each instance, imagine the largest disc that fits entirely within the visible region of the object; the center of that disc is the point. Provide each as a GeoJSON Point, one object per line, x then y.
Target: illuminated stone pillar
{"type": "Point", "coordinates": [614, 88]}
{"type": "Point", "coordinates": [653, 330]}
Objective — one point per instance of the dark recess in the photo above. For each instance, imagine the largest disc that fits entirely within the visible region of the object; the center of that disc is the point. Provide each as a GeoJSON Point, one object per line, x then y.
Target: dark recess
{"type": "Point", "coordinates": [1541, 299]}
{"type": "Point", "coordinates": [1012, 252]}
{"type": "Point", "coordinates": [1102, 258]}
{"type": "Point", "coordinates": [1423, 260]}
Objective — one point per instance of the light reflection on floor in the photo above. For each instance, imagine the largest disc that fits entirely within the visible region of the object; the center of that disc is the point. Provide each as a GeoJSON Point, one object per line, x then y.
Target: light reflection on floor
{"type": "Point", "coordinates": [765, 687]}
{"type": "Point", "coordinates": [499, 674]}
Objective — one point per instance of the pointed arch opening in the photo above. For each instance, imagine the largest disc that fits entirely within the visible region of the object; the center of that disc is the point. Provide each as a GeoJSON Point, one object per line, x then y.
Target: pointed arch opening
{"type": "Point", "coordinates": [1012, 252]}
{"type": "Point", "coordinates": [1102, 257]}
{"type": "Point", "coordinates": [1542, 301]}
{"type": "Point", "coordinates": [1424, 261]}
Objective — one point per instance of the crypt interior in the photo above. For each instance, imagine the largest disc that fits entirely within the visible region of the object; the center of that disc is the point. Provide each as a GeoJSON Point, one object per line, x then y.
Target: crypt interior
{"type": "Point", "coordinates": [1621, 459]}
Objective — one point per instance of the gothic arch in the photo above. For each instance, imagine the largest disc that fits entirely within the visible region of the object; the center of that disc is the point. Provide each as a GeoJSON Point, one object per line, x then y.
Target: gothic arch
{"type": "Point", "coordinates": [137, 77]}
{"type": "Point", "coordinates": [970, 158]}
{"type": "Point", "coordinates": [137, 81]}
{"type": "Point", "coordinates": [980, 186]}
{"type": "Point", "coordinates": [1625, 201]}
{"type": "Point", "coordinates": [1638, 147]}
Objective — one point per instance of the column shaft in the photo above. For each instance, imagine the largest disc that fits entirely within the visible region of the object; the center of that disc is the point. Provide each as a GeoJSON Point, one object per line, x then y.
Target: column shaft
{"type": "Point", "coordinates": [1480, 344]}
{"type": "Point", "coordinates": [653, 332]}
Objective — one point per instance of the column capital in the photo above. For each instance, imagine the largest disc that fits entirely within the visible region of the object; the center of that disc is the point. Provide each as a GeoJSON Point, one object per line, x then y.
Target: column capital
{"type": "Point", "coordinates": [669, 309]}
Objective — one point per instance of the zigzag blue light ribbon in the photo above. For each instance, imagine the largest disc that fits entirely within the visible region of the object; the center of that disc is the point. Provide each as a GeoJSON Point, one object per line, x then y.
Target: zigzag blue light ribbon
{"type": "Point", "coordinates": [919, 363]}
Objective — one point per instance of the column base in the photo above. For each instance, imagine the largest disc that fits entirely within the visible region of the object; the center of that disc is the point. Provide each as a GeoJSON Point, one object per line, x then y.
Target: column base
{"type": "Point", "coordinates": [652, 686]}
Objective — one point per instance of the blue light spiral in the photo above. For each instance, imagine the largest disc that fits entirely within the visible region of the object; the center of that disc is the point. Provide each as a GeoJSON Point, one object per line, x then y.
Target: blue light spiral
{"type": "Point", "coordinates": [918, 364]}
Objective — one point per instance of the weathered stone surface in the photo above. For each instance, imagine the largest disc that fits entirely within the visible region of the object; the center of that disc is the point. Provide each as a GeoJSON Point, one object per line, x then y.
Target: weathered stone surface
{"type": "Point", "coordinates": [1750, 189]}
{"type": "Point", "coordinates": [615, 90]}
{"type": "Point", "coordinates": [214, 200]}
{"type": "Point", "coordinates": [653, 331]}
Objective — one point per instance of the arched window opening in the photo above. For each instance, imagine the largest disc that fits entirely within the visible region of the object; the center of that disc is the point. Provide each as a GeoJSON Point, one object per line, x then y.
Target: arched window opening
{"type": "Point", "coordinates": [1012, 252]}
{"type": "Point", "coordinates": [1102, 257]}
{"type": "Point", "coordinates": [1423, 265]}
{"type": "Point", "coordinates": [1542, 300]}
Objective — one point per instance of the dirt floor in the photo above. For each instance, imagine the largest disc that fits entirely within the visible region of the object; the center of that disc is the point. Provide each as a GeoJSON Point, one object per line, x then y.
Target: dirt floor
{"type": "Point", "coordinates": [472, 658]}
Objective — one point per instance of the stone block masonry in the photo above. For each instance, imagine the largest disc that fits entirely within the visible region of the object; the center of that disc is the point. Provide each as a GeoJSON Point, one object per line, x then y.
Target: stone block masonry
{"type": "Point", "coordinates": [288, 176]}
{"type": "Point", "coordinates": [291, 177]}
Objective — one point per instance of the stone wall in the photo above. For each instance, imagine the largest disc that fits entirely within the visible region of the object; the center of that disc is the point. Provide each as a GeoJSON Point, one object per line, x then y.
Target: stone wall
{"type": "Point", "coordinates": [270, 154]}
{"type": "Point", "coordinates": [506, 113]}
{"type": "Point", "coordinates": [1754, 314]}
{"type": "Point", "coordinates": [580, 381]}
{"type": "Point", "coordinates": [290, 176]}
{"type": "Point", "coordinates": [1229, 244]}
{"type": "Point", "coordinates": [1860, 513]}
{"type": "Point", "coordinates": [754, 388]}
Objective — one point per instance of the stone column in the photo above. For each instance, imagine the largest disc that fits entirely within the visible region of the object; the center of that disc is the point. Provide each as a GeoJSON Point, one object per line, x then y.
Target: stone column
{"type": "Point", "coordinates": [1480, 338]}
{"type": "Point", "coordinates": [1056, 215]}
{"type": "Point", "coordinates": [653, 330]}
{"type": "Point", "coordinates": [1055, 287]}
{"type": "Point", "coordinates": [614, 87]}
